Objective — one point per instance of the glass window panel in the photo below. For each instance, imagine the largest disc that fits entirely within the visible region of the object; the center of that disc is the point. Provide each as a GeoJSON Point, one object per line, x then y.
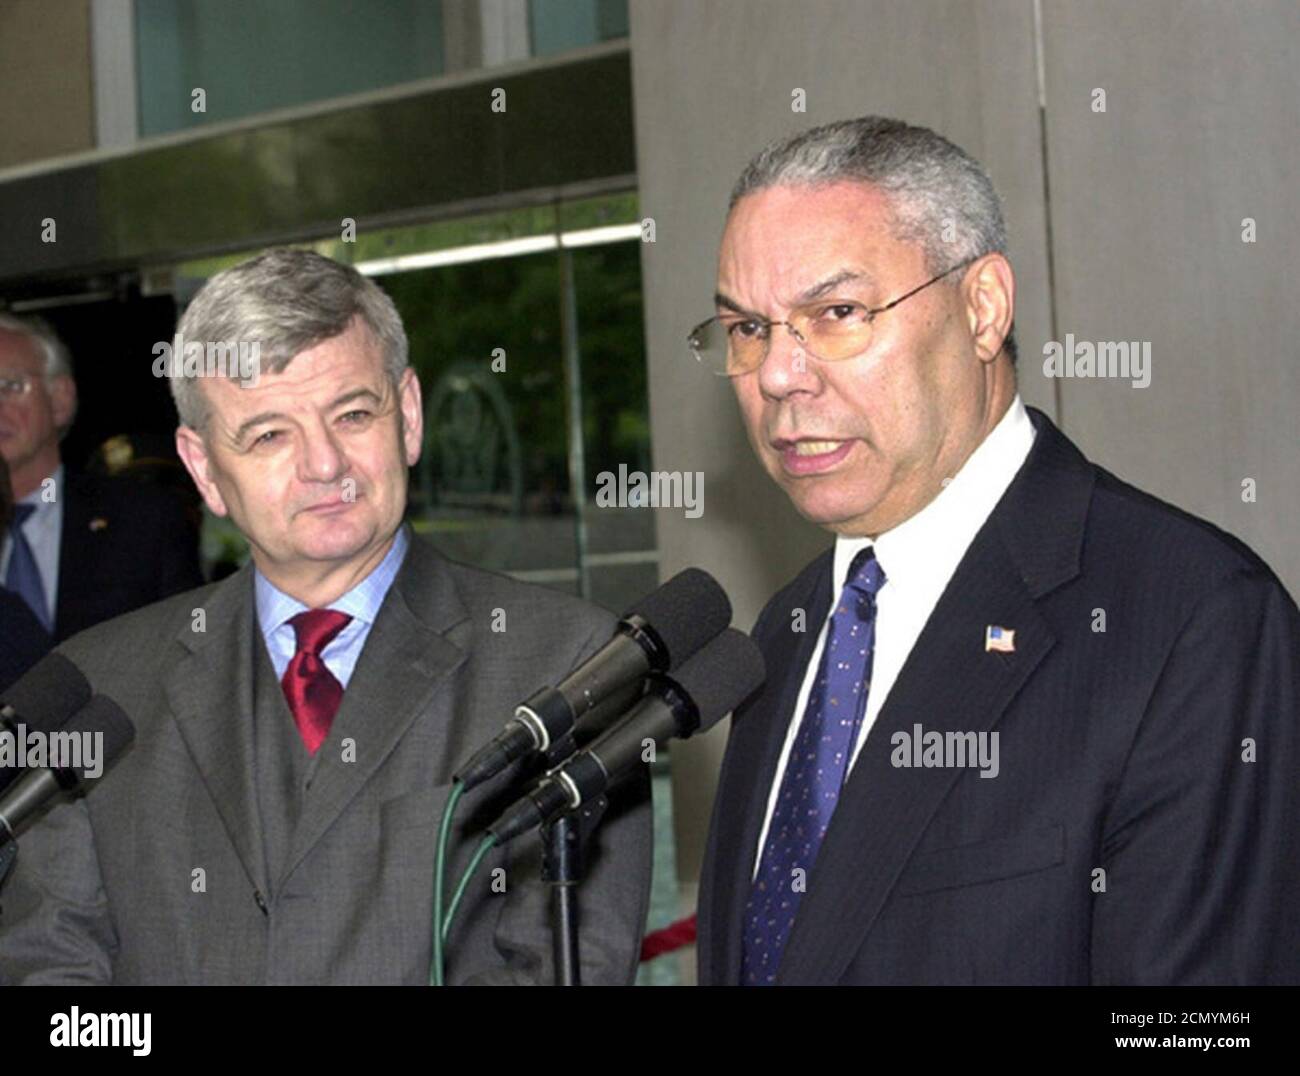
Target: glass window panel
{"type": "Point", "coordinates": [492, 487]}
{"type": "Point", "coordinates": [560, 25]}
{"type": "Point", "coordinates": [622, 561]}
{"type": "Point", "coordinates": [250, 56]}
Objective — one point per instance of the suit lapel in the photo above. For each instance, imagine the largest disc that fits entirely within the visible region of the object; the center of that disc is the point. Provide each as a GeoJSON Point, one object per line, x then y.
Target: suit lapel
{"type": "Point", "coordinates": [757, 737]}
{"type": "Point", "coordinates": [210, 693]}
{"type": "Point", "coordinates": [1030, 545]}
{"type": "Point", "coordinates": [419, 637]}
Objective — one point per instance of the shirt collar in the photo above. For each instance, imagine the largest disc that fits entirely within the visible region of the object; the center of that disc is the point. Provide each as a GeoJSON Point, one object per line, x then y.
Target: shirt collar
{"type": "Point", "coordinates": [362, 602]}
{"type": "Point", "coordinates": [925, 549]}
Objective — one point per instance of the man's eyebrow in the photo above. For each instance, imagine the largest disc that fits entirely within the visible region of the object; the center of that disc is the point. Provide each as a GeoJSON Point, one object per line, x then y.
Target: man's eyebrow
{"type": "Point", "coordinates": [256, 420]}
{"type": "Point", "coordinates": [355, 394]}
{"type": "Point", "coordinates": [272, 416]}
{"type": "Point", "coordinates": [831, 283]}
{"type": "Point", "coordinates": [819, 289]}
{"type": "Point", "coordinates": [727, 303]}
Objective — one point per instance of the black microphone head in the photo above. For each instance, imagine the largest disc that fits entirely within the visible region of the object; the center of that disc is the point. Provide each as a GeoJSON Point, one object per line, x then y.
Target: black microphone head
{"type": "Point", "coordinates": [683, 614]}
{"type": "Point", "coordinates": [102, 717]}
{"type": "Point", "coordinates": [721, 676]}
{"type": "Point", "coordinates": [49, 693]}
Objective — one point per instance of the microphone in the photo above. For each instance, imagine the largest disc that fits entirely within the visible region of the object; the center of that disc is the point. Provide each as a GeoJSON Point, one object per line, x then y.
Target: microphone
{"type": "Point", "coordinates": [100, 717]}
{"type": "Point", "coordinates": [658, 633]}
{"type": "Point", "coordinates": [49, 693]}
{"type": "Point", "coordinates": [693, 698]}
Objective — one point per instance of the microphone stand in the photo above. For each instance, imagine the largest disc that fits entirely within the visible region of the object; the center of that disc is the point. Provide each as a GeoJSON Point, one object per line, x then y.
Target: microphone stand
{"type": "Point", "coordinates": [564, 842]}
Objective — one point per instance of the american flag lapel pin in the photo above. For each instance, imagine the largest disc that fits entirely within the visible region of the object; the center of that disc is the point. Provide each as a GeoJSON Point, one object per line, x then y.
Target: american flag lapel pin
{"type": "Point", "coordinates": [1003, 640]}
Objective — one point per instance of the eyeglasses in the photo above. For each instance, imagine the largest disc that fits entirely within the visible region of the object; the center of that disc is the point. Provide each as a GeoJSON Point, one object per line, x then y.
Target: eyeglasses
{"type": "Point", "coordinates": [830, 330]}
{"type": "Point", "coordinates": [15, 385]}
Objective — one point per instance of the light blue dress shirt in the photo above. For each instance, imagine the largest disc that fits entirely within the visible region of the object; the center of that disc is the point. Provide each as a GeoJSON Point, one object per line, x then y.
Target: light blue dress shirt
{"type": "Point", "coordinates": [44, 533]}
{"type": "Point", "coordinates": [275, 608]}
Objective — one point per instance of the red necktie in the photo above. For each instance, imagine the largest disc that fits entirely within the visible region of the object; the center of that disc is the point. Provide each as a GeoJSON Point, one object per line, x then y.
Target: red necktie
{"type": "Point", "coordinates": [311, 689]}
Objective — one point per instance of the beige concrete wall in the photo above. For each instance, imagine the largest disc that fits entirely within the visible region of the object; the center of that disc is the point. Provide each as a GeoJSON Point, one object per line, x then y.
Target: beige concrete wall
{"type": "Point", "coordinates": [46, 105]}
{"type": "Point", "coordinates": [1201, 130]}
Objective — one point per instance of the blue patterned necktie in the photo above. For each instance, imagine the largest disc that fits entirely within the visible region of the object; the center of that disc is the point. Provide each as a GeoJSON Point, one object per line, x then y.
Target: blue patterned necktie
{"type": "Point", "coordinates": [23, 576]}
{"type": "Point", "coordinates": [814, 772]}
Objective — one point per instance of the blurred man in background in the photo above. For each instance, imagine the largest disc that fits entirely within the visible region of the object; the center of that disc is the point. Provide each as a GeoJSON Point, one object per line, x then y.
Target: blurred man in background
{"type": "Point", "coordinates": [82, 548]}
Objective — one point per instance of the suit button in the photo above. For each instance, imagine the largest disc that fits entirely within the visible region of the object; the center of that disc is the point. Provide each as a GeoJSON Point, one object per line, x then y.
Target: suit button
{"type": "Point", "coordinates": [261, 901]}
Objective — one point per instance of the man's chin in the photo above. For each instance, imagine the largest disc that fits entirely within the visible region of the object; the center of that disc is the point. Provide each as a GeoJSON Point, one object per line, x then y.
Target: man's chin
{"type": "Point", "coordinates": [834, 515]}
{"type": "Point", "coordinates": [335, 539]}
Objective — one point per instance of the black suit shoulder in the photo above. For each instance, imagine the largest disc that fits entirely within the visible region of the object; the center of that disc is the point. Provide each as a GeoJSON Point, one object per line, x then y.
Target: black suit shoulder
{"type": "Point", "coordinates": [1167, 537]}
{"type": "Point", "coordinates": [1164, 555]}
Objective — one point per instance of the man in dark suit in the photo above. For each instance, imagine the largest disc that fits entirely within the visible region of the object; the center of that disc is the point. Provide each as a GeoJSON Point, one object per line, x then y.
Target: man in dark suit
{"type": "Point", "coordinates": [83, 548]}
{"type": "Point", "coordinates": [1023, 723]}
{"type": "Point", "coordinates": [297, 724]}
{"type": "Point", "coordinates": [23, 641]}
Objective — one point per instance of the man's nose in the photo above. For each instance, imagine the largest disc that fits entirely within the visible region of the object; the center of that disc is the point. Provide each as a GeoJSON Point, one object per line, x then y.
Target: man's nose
{"type": "Point", "coordinates": [322, 458]}
{"type": "Point", "coordinates": [788, 367]}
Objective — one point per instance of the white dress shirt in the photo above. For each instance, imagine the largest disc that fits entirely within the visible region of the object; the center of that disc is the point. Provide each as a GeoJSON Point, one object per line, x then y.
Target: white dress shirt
{"type": "Point", "coordinates": [918, 557]}
{"type": "Point", "coordinates": [44, 533]}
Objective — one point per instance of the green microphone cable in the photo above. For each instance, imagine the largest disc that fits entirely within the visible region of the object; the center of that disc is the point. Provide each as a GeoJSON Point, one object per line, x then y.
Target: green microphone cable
{"type": "Point", "coordinates": [485, 846]}
{"type": "Point", "coordinates": [439, 881]}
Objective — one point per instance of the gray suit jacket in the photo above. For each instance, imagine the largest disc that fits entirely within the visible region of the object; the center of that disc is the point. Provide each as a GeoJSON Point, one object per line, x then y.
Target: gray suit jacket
{"type": "Point", "coordinates": [159, 875]}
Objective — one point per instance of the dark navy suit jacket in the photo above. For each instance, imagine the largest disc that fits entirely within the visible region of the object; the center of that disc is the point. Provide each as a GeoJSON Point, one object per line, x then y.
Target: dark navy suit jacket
{"type": "Point", "coordinates": [124, 544]}
{"type": "Point", "coordinates": [1145, 823]}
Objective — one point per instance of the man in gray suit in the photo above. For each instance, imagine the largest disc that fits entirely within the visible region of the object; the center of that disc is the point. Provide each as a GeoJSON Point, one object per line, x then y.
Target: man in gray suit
{"type": "Point", "coordinates": [297, 724]}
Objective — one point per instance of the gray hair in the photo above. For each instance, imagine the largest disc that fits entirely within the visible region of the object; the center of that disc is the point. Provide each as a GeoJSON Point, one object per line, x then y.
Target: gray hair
{"type": "Point", "coordinates": [58, 363]}
{"type": "Point", "coordinates": [285, 301]}
{"type": "Point", "coordinates": [53, 351]}
{"type": "Point", "coordinates": [936, 190]}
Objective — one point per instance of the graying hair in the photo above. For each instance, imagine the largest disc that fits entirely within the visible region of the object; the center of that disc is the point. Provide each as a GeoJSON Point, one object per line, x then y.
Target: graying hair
{"type": "Point", "coordinates": [53, 351]}
{"type": "Point", "coordinates": [286, 301]}
{"type": "Point", "coordinates": [933, 186]}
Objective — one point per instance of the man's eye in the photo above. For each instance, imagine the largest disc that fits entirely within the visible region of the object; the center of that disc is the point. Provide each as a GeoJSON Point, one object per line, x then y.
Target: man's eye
{"type": "Point", "coordinates": [833, 312]}
{"type": "Point", "coordinates": [355, 416]}
{"type": "Point", "coordinates": [745, 330]}
{"type": "Point", "coordinates": [267, 438]}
